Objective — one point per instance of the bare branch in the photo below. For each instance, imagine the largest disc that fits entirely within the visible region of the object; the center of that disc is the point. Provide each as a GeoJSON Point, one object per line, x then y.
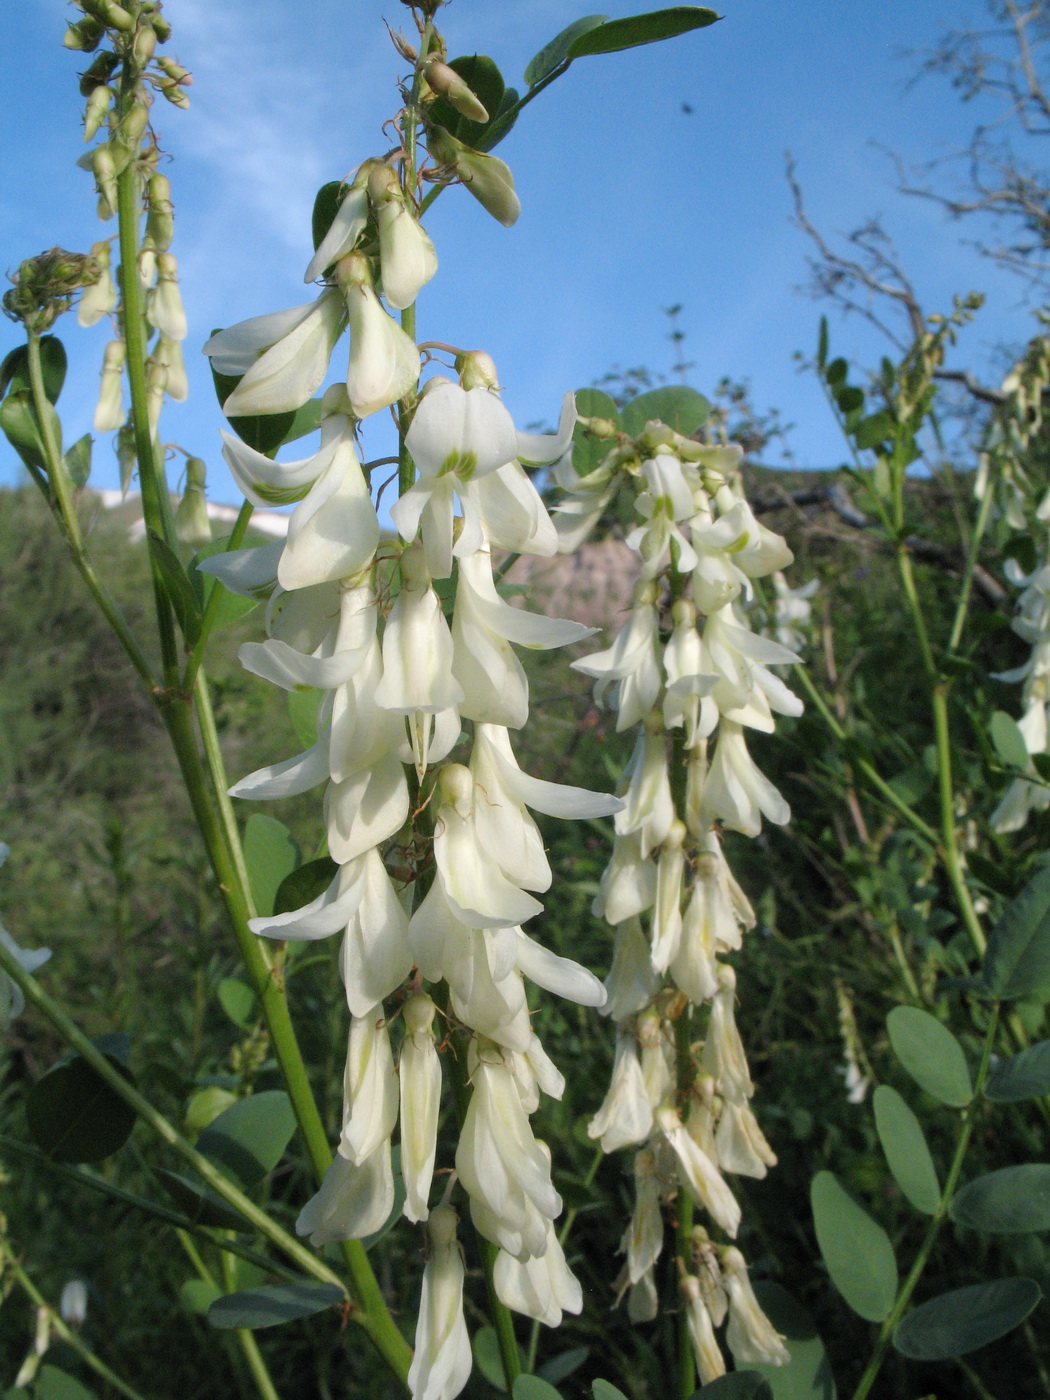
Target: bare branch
{"type": "Point", "coordinates": [966, 379]}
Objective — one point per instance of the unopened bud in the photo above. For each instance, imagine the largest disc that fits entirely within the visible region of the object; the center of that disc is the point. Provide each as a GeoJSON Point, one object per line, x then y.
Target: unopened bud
{"type": "Point", "coordinates": [477, 370]}
{"type": "Point", "coordinates": [115, 15]}
{"type": "Point", "coordinates": [101, 70]}
{"type": "Point", "coordinates": [105, 170]}
{"type": "Point", "coordinates": [162, 28]}
{"type": "Point", "coordinates": [192, 526]}
{"type": "Point", "coordinates": [353, 271]}
{"type": "Point", "coordinates": [448, 84]}
{"type": "Point", "coordinates": [126, 456]}
{"type": "Point", "coordinates": [485, 177]}
{"type": "Point", "coordinates": [128, 134]}
{"type": "Point", "coordinates": [419, 1013]}
{"type": "Point", "coordinates": [457, 786]}
{"type": "Point", "coordinates": [402, 45]}
{"type": "Point", "coordinates": [160, 225]}
{"type": "Point", "coordinates": [97, 107]}
{"type": "Point", "coordinates": [171, 90]}
{"type": "Point", "coordinates": [600, 428]}
{"type": "Point", "coordinates": [156, 383]}
{"type": "Point", "coordinates": [73, 1303]}
{"type": "Point", "coordinates": [84, 36]}
{"type": "Point", "coordinates": [145, 43]}
{"type": "Point", "coordinates": [109, 411]}
{"type": "Point", "coordinates": [175, 71]}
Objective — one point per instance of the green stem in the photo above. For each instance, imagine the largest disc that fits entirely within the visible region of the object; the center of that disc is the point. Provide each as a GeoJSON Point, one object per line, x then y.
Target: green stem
{"type": "Point", "coordinates": [220, 787]}
{"type": "Point", "coordinates": [246, 1340]}
{"type": "Point", "coordinates": [949, 841]}
{"type": "Point", "coordinates": [966, 592]}
{"type": "Point", "coordinates": [61, 496]}
{"type": "Point", "coordinates": [68, 1335]}
{"type": "Point", "coordinates": [871, 1372]}
{"type": "Point", "coordinates": [159, 1125]}
{"type": "Point", "coordinates": [915, 608]}
{"type": "Point", "coordinates": [211, 607]}
{"type": "Point", "coordinates": [862, 765]}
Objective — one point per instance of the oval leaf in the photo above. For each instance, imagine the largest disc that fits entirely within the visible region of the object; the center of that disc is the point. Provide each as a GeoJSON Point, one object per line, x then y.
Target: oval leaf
{"type": "Point", "coordinates": [1012, 1201]}
{"type": "Point", "coordinates": [249, 1139]}
{"type": "Point", "coordinates": [78, 460]}
{"type": "Point", "coordinates": [274, 1304]}
{"type": "Point", "coordinates": [304, 884]}
{"type": "Point", "coordinates": [481, 74]}
{"type": "Point", "coordinates": [270, 853]}
{"type": "Point", "coordinates": [73, 1114]}
{"type": "Point", "coordinates": [965, 1319]}
{"type": "Point", "coordinates": [53, 1384]}
{"type": "Point", "coordinates": [14, 369]}
{"type": "Point", "coordinates": [906, 1152]}
{"type": "Point", "coordinates": [563, 1365]}
{"type": "Point", "coordinates": [676, 405]}
{"type": "Point", "coordinates": [487, 1357]}
{"type": "Point", "coordinates": [1008, 740]}
{"type": "Point", "coordinates": [930, 1054]}
{"type": "Point", "coordinates": [1023, 1076]}
{"type": "Point", "coordinates": [630, 33]}
{"type": "Point", "coordinates": [1017, 961]}
{"type": "Point", "coordinates": [533, 1388]}
{"type": "Point", "coordinates": [856, 1250]}
{"type": "Point", "coordinates": [605, 1390]}
{"type": "Point", "coordinates": [326, 205]}
{"type": "Point", "coordinates": [554, 54]}
{"type": "Point", "coordinates": [238, 1001]}
{"type": "Point", "coordinates": [807, 1376]}
{"type": "Point", "coordinates": [197, 1295]}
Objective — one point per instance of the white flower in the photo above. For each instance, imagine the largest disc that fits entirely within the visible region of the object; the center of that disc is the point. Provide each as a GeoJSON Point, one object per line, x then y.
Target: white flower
{"type": "Point", "coordinates": [541, 1287]}
{"type": "Point", "coordinates": [370, 1091]}
{"type": "Point", "coordinates": [73, 1304]}
{"type": "Point", "coordinates": [100, 298]}
{"type": "Point", "coordinates": [643, 1240]}
{"type": "Point", "coordinates": [406, 255]}
{"type": "Point", "coordinates": [699, 1174]}
{"type": "Point", "coordinates": [740, 1144]}
{"type": "Point", "coordinates": [168, 354]}
{"type": "Point", "coordinates": [346, 228]}
{"type": "Point", "coordinates": [710, 1363]}
{"type": "Point", "coordinates": [283, 357]}
{"type": "Point", "coordinates": [442, 1362]}
{"type": "Point", "coordinates": [580, 509]}
{"type": "Point", "coordinates": [353, 1201]}
{"type": "Point", "coordinates": [688, 700]}
{"type": "Point", "coordinates": [792, 611]}
{"type": "Point", "coordinates": [109, 411]}
{"type": "Point", "coordinates": [750, 1335]}
{"type": "Point", "coordinates": [12, 1000]}
{"type": "Point", "coordinates": [628, 883]}
{"type": "Point", "coordinates": [667, 909]}
{"type": "Point", "coordinates": [626, 1115]}
{"type": "Point", "coordinates": [419, 1074]}
{"type": "Point", "coordinates": [724, 1056]}
{"type": "Point", "coordinates": [632, 662]}
{"type": "Point", "coordinates": [384, 362]}
{"type": "Point", "coordinates": [500, 1163]}
{"type": "Point", "coordinates": [631, 983]}
{"type": "Point", "coordinates": [648, 808]}
{"type": "Point", "coordinates": [735, 791]}
{"type": "Point", "coordinates": [366, 808]}
{"type": "Point", "coordinates": [667, 501]}
{"type": "Point", "coordinates": [375, 957]}
{"type": "Point", "coordinates": [164, 306]}
{"type": "Point", "coordinates": [657, 1059]}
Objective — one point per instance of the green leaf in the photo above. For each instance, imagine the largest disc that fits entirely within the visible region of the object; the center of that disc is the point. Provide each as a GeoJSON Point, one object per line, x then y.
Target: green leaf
{"type": "Point", "coordinates": [930, 1054]}
{"type": "Point", "coordinates": [965, 1319]}
{"type": "Point", "coordinates": [238, 1001]}
{"type": "Point", "coordinates": [906, 1151]}
{"type": "Point", "coordinates": [274, 1304]}
{"type": "Point", "coordinates": [849, 398]}
{"type": "Point", "coordinates": [487, 1357]}
{"type": "Point", "coordinates": [199, 1204]}
{"type": "Point", "coordinates": [263, 431]}
{"type": "Point", "coordinates": [555, 53]}
{"type": "Point", "coordinates": [21, 427]}
{"type": "Point", "coordinates": [1023, 1076]}
{"type": "Point", "coordinates": [737, 1385]}
{"type": "Point", "coordinates": [306, 419]}
{"type": "Point", "coordinates": [587, 451]}
{"type": "Point", "coordinates": [822, 344]}
{"type": "Point", "coordinates": [303, 706]}
{"type": "Point", "coordinates": [605, 1390]}
{"type": "Point", "coordinates": [14, 370]}
{"type": "Point", "coordinates": [807, 1376]}
{"type": "Point", "coordinates": [559, 1367]}
{"type": "Point", "coordinates": [270, 853]}
{"type": "Point", "coordinates": [1011, 1201]}
{"type": "Point", "coordinates": [874, 430]}
{"type": "Point", "coordinates": [78, 460]}
{"type": "Point", "coordinates": [249, 1139]}
{"type": "Point", "coordinates": [53, 1384]}
{"type": "Point", "coordinates": [197, 1295]}
{"type": "Point", "coordinates": [305, 884]}
{"type": "Point", "coordinates": [836, 373]}
{"type": "Point", "coordinates": [326, 205]}
{"type": "Point", "coordinates": [180, 591]}
{"type": "Point", "coordinates": [481, 74]}
{"type": "Point", "coordinates": [630, 33]}
{"type": "Point", "coordinates": [1017, 961]}
{"type": "Point", "coordinates": [74, 1115]}
{"type": "Point", "coordinates": [533, 1388]}
{"type": "Point", "coordinates": [206, 1104]}
{"type": "Point", "coordinates": [1008, 740]}
{"type": "Point", "coordinates": [676, 405]}
{"type": "Point", "coordinates": [856, 1250]}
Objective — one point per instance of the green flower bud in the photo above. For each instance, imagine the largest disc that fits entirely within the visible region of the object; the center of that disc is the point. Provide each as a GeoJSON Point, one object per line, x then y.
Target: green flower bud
{"type": "Point", "coordinates": [101, 70]}
{"type": "Point", "coordinates": [126, 455]}
{"type": "Point", "coordinates": [97, 107]}
{"type": "Point", "coordinates": [145, 43]}
{"type": "Point", "coordinates": [162, 28]}
{"type": "Point", "coordinates": [477, 370]}
{"type": "Point", "coordinates": [485, 177]}
{"type": "Point", "coordinates": [128, 135]}
{"type": "Point", "coordinates": [115, 15]}
{"type": "Point", "coordinates": [175, 71]}
{"type": "Point", "coordinates": [159, 221]}
{"type": "Point", "coordinates": [84, 36]}
{"type": "Point", "coordinates": [105, 169]}
{"type": "Point", "coordinates": [448, 84]}
{"type": "Point", "coordinates": [192, 526]}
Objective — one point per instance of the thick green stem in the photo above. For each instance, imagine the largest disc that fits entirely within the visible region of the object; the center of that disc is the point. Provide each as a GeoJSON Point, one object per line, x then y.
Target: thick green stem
{"type": "Point", "coordinates": [61, 495]}
{"type": "Point", "coordinates": [68, 1335]}
{"type": "Point", "coordinates": [159, 1125]}
{"type": "Point", "coordinates": [911, 594]}
{"type": "Point", "coordinates": [871, 1372]}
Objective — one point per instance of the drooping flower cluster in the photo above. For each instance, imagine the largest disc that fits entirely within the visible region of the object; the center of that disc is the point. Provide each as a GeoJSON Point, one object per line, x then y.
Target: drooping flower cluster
{"type": "Point", "coordinates": [689, 676]}
{"type": "Point", "coordinates": [438, 862]}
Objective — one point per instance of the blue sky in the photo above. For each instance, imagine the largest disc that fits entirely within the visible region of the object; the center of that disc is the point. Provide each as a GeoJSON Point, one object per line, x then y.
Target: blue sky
{"type": "Point", "coordinates": [629, 203]}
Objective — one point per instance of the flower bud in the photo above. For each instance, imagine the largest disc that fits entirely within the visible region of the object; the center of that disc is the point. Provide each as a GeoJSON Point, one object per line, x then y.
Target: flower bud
{"type": "Point", "coordinates": [162, 28]}
{"type": "Point", "coordinates": [105, 171]}
{"type": "Point", "coordinates": [168, 353]}
{"type": "Point", "coordinates": [100, 298]}
{"type": "Point", "coordinates": [159, 220]}
{"type": "Point", "coordinates": [165, 309]}
{"type": "Point", "coordinates": [477, 370]}
{"type": "Point", "coordinates": [192, 526]}
{"type": "Point", "coordinates": [109, 412]}
{"type": "Point", "coordinates": [73, 1303]}
{"type": "Point", "coordinates": [84, 36]}
{"type": "Point", "coordinates": [448, 84]}
{"type": "Point", "coordinates": [99, 72]}
{"type": "Point", "coordinates": [128, 135]}
{"type": "Point", "coordinates": [485, 177]}
{"type": "Point", "coordinates": [145, 43]}
{"type": "Point", "coordinates": [97, 107]}
{"type": "Point", "coordinates": [175, 71]}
